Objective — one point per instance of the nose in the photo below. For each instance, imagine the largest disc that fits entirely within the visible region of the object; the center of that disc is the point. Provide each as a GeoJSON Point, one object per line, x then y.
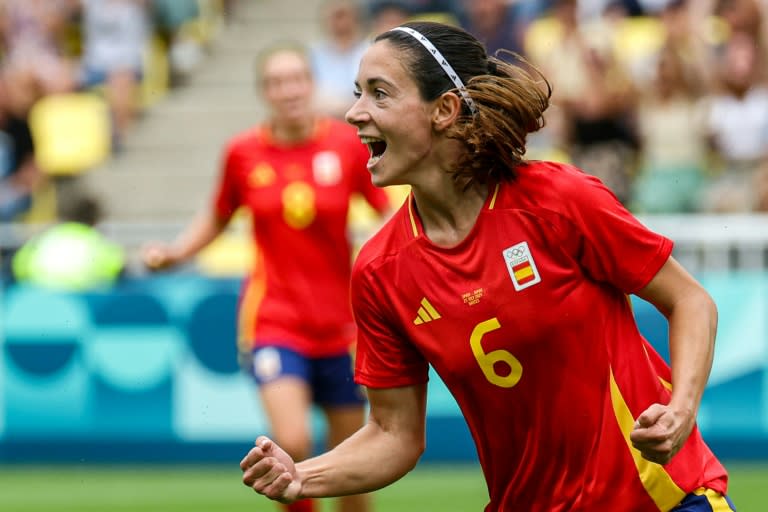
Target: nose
{"type": "Point", "coordinates": [356, 114]}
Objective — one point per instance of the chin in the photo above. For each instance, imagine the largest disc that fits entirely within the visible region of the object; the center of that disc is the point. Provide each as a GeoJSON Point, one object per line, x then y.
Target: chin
{"type": "Point", "coordinates": [381, 179]}
{"type": "Point", "coordinates": [378, 178]}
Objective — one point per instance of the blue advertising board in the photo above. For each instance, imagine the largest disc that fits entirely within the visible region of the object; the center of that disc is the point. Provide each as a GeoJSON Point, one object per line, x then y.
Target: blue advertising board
{"type": "Point", "coordinates": [148, 371]}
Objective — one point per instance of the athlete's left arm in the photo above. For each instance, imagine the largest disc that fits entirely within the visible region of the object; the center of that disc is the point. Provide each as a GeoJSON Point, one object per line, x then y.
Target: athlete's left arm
{"type": "Point", "coordinates": [662, 429]}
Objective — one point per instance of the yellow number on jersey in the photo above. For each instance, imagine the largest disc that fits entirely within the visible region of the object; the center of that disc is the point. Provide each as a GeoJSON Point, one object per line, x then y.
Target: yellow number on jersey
{"type": "Point", "coordinates": [298, 205]}
{"type": "Point", "coordinates": [487, 360]}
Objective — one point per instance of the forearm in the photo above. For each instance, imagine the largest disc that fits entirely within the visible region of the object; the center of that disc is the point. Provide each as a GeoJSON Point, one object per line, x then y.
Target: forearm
{"type": "Point", "coordinates": [692, 328]}
{"type": "Point", "coordinates": [201, 232]}
{"type": "Point", "coordinates": [370, 459]}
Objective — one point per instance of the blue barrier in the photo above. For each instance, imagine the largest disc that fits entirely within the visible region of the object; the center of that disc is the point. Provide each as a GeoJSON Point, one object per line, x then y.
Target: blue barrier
{"type": "Point", "coordinates": [148, 372]}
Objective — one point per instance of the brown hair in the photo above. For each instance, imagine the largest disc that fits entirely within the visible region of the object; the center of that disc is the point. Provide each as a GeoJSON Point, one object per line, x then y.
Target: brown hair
{"type": "Point", "coordinates": [510, 99]}
{"type": "Point", "coordinates": [287, 46]}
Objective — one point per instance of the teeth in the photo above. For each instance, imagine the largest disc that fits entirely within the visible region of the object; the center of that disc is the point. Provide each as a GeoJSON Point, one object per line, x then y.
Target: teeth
{"type": "Point", "coordinates": [373, 160]}
{"type": "Point", "coordinates": [368, 140]}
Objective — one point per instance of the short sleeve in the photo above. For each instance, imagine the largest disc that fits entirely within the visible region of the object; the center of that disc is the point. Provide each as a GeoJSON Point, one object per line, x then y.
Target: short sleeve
{"type": "Point", "coordinates": [615, 247]}
{"type": "Point", "coordinates": [384, 359]}
{"type": "Point", "coordinates": [226, 198]}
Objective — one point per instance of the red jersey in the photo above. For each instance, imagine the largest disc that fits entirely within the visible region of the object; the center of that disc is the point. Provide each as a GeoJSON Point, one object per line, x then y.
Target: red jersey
{"type": "Point", "coordinates": [527, 322]}
{"type": "Point", "coordinates": [298, 196]}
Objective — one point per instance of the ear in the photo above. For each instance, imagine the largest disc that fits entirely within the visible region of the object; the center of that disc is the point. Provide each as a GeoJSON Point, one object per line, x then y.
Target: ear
{"type": "Point", "coordinates": [445, 111]}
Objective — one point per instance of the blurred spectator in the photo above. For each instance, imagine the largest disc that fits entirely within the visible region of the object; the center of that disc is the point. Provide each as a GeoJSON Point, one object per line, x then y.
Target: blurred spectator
{"type": "Point", "coordinates": [71, 255]}
{"type": "Point", "coordinates": [671, 126]}
{"type": "Point", "coordinates": [33, 32]}
{"type": "Point", "coordinates": [335, 58]}
{"type": "Point", "coordinates": [592, 100]}
{"type": "Point", "coordinates": [685, 28]}
{"type": "Point", "coordinates": [496, 23]}
{"type": "Point", "coordinates": [593, 9]}
{"type": "Point", "coordinates": [184, 51]}
{"type": "Point", "coordinates": [742, 16]}
{"type": "Point", "coordinates": [418, 7]}
{"type": "Point", "coordinates": [387, 14]}
{"type": "Point", "coordinates": [738, 126]}
{"type": "Point", "coordinates": [115, 36]}
{"type": "Point", "coordinates": [761, 189]}
{"type": "Point", "coordinates": [19, 173]}
{"type": "Point", "coordinates": [599, 125]}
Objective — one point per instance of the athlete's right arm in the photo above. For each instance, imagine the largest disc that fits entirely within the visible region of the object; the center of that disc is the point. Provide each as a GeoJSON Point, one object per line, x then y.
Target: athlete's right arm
{"type": "Point", "coordinates": [199, 233]}
{"type": "Point", "coordinates": [378, 454]}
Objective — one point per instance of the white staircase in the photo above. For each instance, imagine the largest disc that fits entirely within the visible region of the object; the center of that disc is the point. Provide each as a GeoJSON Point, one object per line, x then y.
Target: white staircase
{"type": "Point", "coordinates": [166, 169]}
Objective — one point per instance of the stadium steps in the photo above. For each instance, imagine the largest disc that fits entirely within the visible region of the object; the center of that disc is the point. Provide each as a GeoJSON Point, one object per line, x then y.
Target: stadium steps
{"type": "Point", "coordinates": [167, 166]}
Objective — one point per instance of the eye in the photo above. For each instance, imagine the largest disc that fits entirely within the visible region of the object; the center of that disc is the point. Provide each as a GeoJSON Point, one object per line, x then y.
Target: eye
{"type": "Point", "coordinates": [379, 94]}
{"type": "Point", "coordinates": [357, 93]}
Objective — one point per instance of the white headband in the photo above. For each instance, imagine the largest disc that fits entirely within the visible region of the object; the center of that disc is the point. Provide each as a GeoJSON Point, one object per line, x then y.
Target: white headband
{"type": "Point", "coordinates": [444, 63]}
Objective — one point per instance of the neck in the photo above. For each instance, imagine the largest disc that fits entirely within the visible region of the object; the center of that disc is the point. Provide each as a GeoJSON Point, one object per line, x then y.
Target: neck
{"type": "Point", "coordinates": [448, 213]}
{"type": "Point", "coordinates": [345, 41]}
{"type": "Point", "coordinates": [288, 132]}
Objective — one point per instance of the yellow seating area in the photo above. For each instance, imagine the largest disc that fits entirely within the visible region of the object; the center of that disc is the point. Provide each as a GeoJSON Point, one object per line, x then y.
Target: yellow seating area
{"type": "Point", "coordinates": [632, 39]}
{"type": "Point", "coordinates": [71, 132]}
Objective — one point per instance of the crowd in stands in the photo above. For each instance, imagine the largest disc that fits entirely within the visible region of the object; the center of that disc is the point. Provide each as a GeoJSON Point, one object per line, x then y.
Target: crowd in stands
{"type": "Point", "coordinates": [665, 100]}
{"type": "Point", "coordinates": [124, 52]}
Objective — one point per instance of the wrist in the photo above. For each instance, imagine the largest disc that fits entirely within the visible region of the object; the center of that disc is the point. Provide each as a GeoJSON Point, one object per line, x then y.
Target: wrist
{"type": "Point", "coordinates": [295, 489]}
{"type": "Point", "coordinates": [176, 255]}
{"type": "Point", "coordinates": [684, 406]}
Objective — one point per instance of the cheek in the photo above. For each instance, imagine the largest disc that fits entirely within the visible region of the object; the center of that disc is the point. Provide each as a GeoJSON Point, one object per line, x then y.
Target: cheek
{"type": "Point", "coordinates": [416, 135]}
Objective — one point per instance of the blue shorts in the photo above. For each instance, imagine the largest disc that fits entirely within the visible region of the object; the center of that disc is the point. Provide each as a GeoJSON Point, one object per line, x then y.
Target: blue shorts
{"type": "Point", "coordinates": [705, 500]}
{"type": "Point", "coordinates": [330, 378]}
{"type": "Point", "coordinates": [91, 77]}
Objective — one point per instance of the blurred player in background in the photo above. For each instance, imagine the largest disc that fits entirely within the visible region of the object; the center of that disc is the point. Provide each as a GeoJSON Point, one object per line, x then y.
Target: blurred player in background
{"type": "Point", "coordinates": [509, 277]}
{"type": "Point", "coordinates": [295, 174]}
{"type": "Point", "coordinates": [336, 55]}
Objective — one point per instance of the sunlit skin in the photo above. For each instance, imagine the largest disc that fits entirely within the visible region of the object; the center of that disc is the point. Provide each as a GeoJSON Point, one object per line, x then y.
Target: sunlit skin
{"type": "Point", "coordinates": [418, 153]}
{"type": "Point", "coordinates": [287, 88]}
{"type": "Point", "coordinates": [389, 107]}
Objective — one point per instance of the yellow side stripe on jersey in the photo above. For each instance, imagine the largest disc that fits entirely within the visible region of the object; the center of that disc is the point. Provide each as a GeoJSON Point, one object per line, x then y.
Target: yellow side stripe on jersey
{"type": "Point", "coordinates": [716, 500]}
{"type": "Point", "coordinates": [664, 382]}
{"type": "Point", "coordinates": [250, 303]}
{"type": "Point", "coordinates": [657, 482]}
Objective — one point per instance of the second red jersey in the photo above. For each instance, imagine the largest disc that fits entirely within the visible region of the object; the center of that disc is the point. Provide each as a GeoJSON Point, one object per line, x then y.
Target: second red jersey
{"type": "Point", "coordinates": [298, 198]}
{"type": "Point", "coordinates": [528, 323]}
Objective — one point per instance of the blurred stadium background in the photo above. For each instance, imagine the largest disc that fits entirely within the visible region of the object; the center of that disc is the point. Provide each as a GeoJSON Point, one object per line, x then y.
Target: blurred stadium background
{"type": "Point", "coordinates": [130, 398]}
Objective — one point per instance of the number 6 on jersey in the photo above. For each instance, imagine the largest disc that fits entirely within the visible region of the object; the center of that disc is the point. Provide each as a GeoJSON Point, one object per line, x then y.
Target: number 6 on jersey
{"type": "Point", "coordinates": [488, 360]}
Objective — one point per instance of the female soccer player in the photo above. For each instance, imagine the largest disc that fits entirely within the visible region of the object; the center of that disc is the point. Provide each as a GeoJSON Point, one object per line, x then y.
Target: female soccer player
{"type": "Point", "coordinates": [295, 175]}
{"type": "Point", "coordinates": [511, 279]}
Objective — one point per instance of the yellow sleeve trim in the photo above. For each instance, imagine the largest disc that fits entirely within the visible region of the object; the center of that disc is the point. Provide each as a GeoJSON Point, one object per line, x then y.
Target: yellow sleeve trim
{"type": "Point", "coordinates": [716, 500]}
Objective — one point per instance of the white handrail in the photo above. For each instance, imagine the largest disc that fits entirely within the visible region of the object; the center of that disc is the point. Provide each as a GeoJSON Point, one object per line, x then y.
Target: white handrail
{"type": "Point", "coordinates": [702, 242]}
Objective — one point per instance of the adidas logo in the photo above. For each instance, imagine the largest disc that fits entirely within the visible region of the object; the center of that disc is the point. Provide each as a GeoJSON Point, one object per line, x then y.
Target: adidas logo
{"type": "Point", "coordinates": [427, 313]}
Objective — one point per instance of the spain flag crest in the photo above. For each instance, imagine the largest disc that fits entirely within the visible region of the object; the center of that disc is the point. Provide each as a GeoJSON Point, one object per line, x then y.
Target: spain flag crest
{"type": "Point", "coordinates": [521, 266]}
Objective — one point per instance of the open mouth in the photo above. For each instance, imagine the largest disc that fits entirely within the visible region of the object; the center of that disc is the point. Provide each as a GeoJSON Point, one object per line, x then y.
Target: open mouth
{"type": "Point", "coordinates": [376, 148]}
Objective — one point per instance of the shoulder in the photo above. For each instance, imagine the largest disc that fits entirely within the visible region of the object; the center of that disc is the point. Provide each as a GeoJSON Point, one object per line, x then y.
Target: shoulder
{"type": "Point", "coordinates": [249, 140]}
{"type": "Point", "coordinates": [557, 175]}
{"type": "Point", "coordinates": [551, 185]}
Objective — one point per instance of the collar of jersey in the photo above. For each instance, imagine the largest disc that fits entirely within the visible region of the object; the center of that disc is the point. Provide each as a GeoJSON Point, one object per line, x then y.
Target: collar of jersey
{"type": "Point", "coordinates": [416, 227]}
